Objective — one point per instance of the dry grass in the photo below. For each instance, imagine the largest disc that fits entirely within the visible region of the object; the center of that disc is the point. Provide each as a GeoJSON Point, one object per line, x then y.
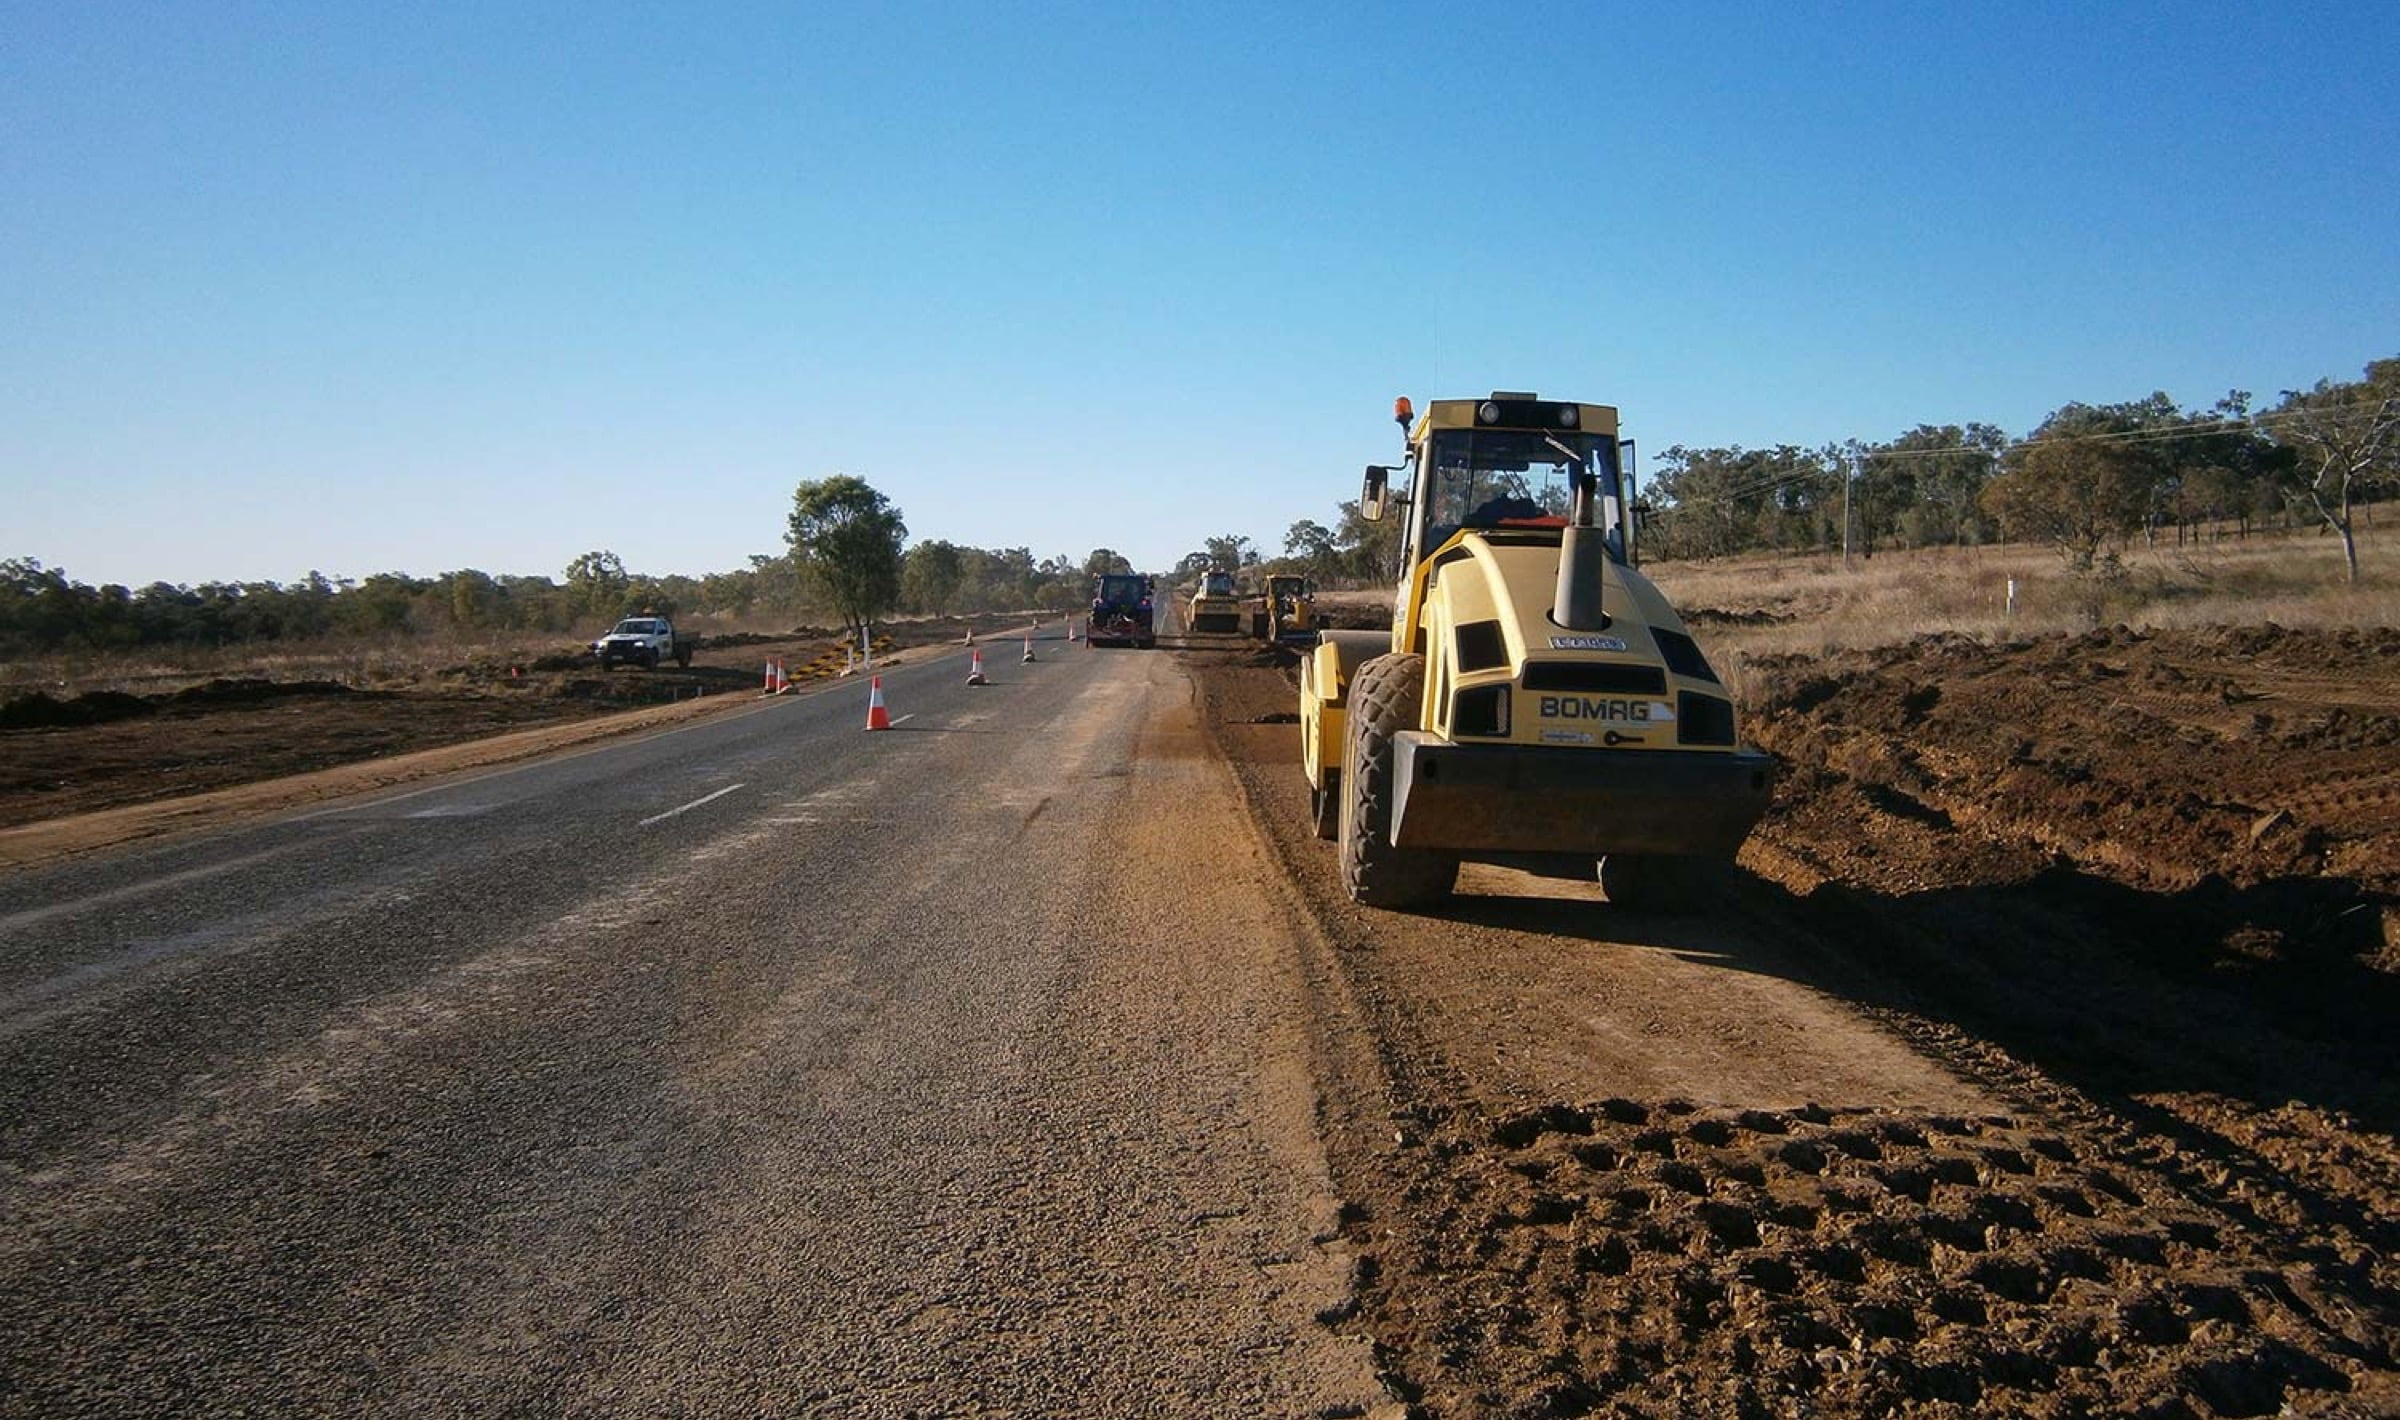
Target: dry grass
{"type": "Point", "coordinates": [354, 661]}
{"type": "Point", "coordinates": [1747, 607]}
{"type": "Point", "coordinates": [1811, 606]}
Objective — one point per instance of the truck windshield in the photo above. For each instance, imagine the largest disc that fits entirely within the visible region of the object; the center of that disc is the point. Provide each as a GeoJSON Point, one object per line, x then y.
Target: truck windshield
{"type": "Point", "coordinates": [1488, 478]}
{"type": "Point", "coordinates": [1122, 591]}
{"type": "Point", "coordinates": [636, 628]}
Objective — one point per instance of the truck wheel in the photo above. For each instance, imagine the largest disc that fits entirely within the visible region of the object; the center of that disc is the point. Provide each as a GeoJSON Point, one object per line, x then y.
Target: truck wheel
{"type": "Point", "coordinates": [683, 657]}
{"type": "Point", "coordinates": [1384, 699]}
{"type": "Point", "coordinates": [1671, 885]}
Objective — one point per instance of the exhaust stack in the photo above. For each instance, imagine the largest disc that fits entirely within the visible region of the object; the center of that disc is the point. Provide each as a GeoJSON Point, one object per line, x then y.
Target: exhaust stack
{"type": "Point", "coordinates": [1576, 604]}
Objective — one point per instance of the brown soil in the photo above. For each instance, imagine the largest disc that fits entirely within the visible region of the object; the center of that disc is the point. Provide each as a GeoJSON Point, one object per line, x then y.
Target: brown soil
{"type": "Point", "coordinates": [2036, 1066]}
{"type": "Point", "coordinates": [67, 755]}
{"type": "Point", "coordinates": [167, 748]}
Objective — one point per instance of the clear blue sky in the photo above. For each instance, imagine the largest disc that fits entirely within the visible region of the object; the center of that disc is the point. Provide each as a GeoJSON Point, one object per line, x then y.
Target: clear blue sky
{"type": "Point", "coordinates": [359, 288]}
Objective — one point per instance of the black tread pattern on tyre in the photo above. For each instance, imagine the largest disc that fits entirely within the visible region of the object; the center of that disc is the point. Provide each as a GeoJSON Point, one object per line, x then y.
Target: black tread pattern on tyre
{"type": "Point", "coordinates": [1384, 700]}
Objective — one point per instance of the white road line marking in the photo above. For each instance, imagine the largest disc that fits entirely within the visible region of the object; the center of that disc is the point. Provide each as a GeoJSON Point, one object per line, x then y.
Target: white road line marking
{"type": "Point", "coordinates": [904, 719]}
{"type": "Point", "coordinates": [30, 916]}
{"type": "Point", "coordinates": [686, 808]}
{"type": "Point", "coordinates": [460, 778]}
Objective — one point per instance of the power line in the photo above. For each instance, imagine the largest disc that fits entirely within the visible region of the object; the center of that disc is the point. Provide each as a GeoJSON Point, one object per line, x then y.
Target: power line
{"type": "Point", "coordinates": [2133, 436]}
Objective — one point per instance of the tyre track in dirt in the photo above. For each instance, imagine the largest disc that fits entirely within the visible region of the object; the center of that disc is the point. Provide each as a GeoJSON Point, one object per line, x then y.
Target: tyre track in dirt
{"type": "Point", "coordinates": [1544, 1230]}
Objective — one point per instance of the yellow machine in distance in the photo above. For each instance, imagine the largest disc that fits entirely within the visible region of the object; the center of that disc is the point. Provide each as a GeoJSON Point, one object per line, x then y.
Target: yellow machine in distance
{"type": "Point", "coordinates": [1537, 702]}
{"type": "Point", "coordinates": [1216, 605]}
{"type": "Point", "coordinates": [1287, 611]}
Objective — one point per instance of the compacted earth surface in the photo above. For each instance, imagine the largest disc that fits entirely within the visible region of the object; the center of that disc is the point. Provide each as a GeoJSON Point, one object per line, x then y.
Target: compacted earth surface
{"type": "Point", "coordinates": [2039, 1061]}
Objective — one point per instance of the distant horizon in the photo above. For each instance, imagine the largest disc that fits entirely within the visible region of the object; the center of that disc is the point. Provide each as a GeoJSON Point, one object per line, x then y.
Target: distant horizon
{"type": "Point", "coordinates": [1269, 547]}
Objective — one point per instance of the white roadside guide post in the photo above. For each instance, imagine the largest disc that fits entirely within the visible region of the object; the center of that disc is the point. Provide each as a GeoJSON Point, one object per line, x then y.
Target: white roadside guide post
{"type": "Point", "coordinates": [2012, 596]}
{"type": "Point", "coordinates": [866, 645]}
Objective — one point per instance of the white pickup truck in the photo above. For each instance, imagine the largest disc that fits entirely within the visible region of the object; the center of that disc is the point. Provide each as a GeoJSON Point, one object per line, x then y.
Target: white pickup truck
{"type": "Point", "coordinates": [644, 641]}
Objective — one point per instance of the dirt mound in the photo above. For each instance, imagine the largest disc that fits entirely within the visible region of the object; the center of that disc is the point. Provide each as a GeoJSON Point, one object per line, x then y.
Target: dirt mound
{"type": "Point", "coordinates": [234, 732]}
{"type": "Point", "coordinates": [1642, 1258]}
{"type": "Point", "coordinates": [1343, 616]}
{"type": "Point", "coordinates": [37, 710]}
{"type": "Point", "coordinates": [102, 707]}
{"type": "Point", "coordinates": [1714, 616]}
{"type": "Point", "coordinates": [2219, 764]}
{"type": "Point", "coordinates": [248, 690]}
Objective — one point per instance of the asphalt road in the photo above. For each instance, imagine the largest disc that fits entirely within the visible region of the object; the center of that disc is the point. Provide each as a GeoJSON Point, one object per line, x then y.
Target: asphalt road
{"type": "Point", "coordinates": [764, 1066]}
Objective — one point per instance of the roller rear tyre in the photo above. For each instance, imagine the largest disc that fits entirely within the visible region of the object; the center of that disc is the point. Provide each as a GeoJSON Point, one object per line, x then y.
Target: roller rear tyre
{"type": "Point", "coordinates": [1655, 882]}
{"type": "Point", "coordinates": [1384, 700]}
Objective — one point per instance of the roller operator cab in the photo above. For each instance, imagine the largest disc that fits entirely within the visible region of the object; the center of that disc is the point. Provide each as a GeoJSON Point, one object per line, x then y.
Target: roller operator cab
{"type": "Point", "coordinates": [1537, 703]}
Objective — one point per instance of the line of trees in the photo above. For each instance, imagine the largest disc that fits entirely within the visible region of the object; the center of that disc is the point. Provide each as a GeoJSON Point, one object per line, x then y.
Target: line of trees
{"type": "Point", "coordinates": [1352, 550]}
{"type": "Point", "coordinates": [2089, 479]}
{"type": "Point", "coordinates": [843, 563]}
{"type": "Point", "coordinates": [43, 609]}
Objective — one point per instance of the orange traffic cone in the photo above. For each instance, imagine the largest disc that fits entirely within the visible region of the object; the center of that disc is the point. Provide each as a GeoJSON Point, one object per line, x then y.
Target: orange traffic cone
{"type": "Point", "coordinates": [878, 718]}
{"type": "Point", "coordinates": [975, 671]}
{"type": "Point", "coordinates": [1029, 647]}
{"type": "Point", "coordinates": [769, 687]}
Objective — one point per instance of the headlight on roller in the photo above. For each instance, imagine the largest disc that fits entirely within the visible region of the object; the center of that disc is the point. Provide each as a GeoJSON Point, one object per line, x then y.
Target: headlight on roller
{"type": "Point", "coordinates": [1481, 710]}
{"type": "Point", "coordinates": [1703, 719]}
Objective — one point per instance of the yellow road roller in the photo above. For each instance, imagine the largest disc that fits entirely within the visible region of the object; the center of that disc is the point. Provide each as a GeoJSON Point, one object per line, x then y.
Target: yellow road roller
{"type": "Point", "coordinates": [1537, 703]}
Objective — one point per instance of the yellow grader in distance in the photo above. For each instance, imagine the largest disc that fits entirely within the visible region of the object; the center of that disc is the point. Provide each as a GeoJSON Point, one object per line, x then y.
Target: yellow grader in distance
{"type": "Point", "coordinates": [1216, 606]}
{"type": "Point", "coordinates": [1537, 703]}
{"type": "Point", "coordinates": [1287, 611]}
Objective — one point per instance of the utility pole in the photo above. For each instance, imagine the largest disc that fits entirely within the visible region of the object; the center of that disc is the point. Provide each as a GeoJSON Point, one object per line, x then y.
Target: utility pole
{"type": "Point", "coordinates": [1849, 476]}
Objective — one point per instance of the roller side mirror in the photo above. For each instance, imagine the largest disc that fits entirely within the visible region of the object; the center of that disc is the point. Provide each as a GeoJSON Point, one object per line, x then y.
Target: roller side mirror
{"type": "Point", "coordinates": [1375, 494]}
